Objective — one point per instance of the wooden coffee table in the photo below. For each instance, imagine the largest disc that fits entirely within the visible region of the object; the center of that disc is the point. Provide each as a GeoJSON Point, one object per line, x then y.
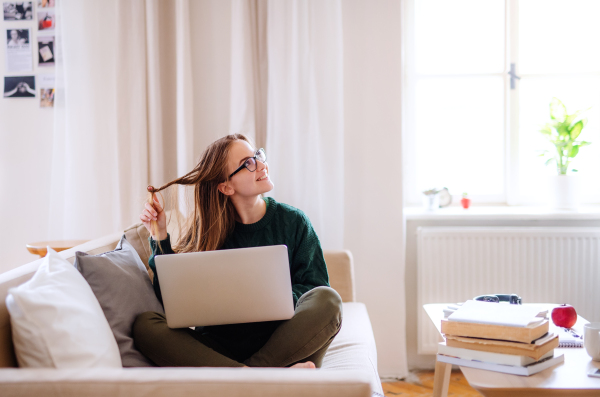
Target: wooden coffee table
{"type": "Point", "coordinates": [565, 379]}
{"type": "Point", "coordinates": [39, 248]}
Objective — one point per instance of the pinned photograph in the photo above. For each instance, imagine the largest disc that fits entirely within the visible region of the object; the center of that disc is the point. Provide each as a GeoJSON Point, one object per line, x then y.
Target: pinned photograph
{"type": "Point", "coordinates": [46, 86]}
{"type": "Point", "coordinates": [18, 51]}
{"type": "Point", "coordinates": [46, 97]}
{"type": "Point", "coordinates": [46, 19]}
{"type": "Point", "coordinates": [18, 10]}
{"type": "Point", "coordinates": [46, 51]}
{"type": "Point", "coordinates": [19, 87]}
{"type": "Point", "coordinates": [16, 37]}
{"type": "Point", "coordinates": [45, 3]}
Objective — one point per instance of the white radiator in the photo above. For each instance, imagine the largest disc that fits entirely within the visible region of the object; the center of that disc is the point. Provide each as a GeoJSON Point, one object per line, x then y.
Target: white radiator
{"type": "Point", "coordinates": [542, 265]}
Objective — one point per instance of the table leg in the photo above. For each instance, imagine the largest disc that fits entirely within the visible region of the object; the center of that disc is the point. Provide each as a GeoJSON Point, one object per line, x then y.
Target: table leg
{"type": "Point", "coordinates": [441, 379]}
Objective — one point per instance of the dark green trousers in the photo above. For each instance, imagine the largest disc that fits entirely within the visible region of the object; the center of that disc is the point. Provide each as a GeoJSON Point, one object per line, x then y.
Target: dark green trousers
{"type": "Point", "coordinates": [305, 337]}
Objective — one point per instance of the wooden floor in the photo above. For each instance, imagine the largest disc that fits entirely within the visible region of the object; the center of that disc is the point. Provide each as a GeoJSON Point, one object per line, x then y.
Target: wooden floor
{"type": "Point", "coordinates": [422, 385]}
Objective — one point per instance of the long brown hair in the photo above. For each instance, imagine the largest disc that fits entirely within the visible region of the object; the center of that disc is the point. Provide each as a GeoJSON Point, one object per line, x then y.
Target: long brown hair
{"type": "Point", "coordinates": [213, 215]}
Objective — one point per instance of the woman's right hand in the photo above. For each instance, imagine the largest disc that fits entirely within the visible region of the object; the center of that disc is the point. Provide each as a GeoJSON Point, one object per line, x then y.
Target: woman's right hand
{"type": "Point", "coordinates": [155, 213]}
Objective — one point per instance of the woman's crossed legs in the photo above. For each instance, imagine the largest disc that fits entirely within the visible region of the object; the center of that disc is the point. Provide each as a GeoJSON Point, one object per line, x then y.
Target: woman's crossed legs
{"type": "Point", "coordinates": [305, 337]}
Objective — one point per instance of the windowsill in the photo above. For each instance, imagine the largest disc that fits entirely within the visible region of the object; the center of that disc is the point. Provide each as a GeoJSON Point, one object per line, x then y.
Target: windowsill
{"type": "Point", "coordinates": [506, 212]}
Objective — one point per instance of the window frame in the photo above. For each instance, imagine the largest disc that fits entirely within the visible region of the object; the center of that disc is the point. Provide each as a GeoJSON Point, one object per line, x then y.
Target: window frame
{"type": "Point", "coordinates": [511, 194]}
{"type": "Point", "coordinates": [409, 79]}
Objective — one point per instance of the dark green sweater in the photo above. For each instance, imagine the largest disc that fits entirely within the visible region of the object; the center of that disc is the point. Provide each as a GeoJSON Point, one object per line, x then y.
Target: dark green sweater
{"type": "Point", "coordinates": [282, 224]}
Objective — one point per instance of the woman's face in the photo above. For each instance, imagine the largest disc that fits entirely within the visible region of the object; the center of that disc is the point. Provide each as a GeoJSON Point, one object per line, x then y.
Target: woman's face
{"type": "Point", "coordinates": [14, 35]}
{"type": "Point", "coordinates": [244, 182]}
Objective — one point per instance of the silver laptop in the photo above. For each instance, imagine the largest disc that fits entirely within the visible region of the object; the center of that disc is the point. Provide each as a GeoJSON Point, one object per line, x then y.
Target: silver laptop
{"type": "Point", "coordinates": [226, 286]}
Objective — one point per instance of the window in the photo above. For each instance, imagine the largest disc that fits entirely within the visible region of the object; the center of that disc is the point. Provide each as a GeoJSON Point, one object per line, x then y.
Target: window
{"type": "Point", "coordinates": [465, 128]}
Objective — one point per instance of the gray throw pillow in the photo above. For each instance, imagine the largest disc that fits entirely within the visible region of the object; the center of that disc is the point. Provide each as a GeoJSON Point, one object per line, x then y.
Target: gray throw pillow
{"type": "Point", "coordinates": [121, 284]}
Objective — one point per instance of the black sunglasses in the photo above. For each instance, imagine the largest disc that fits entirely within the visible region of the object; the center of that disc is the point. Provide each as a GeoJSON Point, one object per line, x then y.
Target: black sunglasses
{"type": "Point", "coordinates": [250, 163]}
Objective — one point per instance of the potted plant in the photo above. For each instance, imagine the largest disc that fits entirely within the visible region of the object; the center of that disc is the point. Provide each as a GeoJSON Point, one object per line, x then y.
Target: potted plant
{"type": "Point", "coordinates": [563, 132]}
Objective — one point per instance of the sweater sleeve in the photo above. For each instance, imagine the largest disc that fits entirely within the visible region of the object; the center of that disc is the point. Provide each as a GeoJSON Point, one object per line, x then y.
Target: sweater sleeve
{"type": "Point", "coordinates": [166, 247]}
{"type": "Point", "coordinates": [308, 264]}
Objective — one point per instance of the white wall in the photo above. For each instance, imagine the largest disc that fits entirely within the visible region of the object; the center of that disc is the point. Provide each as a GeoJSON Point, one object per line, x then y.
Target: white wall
{"type": "Point", "coordinates": [373, 180]}
{"type": "Point", "coordinates": [25, 142]}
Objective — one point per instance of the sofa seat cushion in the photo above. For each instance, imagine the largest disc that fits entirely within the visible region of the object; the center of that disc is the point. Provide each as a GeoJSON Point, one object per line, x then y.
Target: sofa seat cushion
{"type": "Point", "coordinates": [175, 382]}
{"type": "Point", "coordinates": [354, 346]}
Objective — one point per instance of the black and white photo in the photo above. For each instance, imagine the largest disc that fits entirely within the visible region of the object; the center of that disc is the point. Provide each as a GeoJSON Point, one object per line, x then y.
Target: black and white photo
{"type": "Point", "coordinates": [15, 37]}
{"type": "Point", "coordinates": [19, 87]}
{"type": "Point", "coordinates": [18, 51]}
{"type": "Point", "coordinates": [17, 10]}
{"type": "Point", "coordinates": [46, 51]}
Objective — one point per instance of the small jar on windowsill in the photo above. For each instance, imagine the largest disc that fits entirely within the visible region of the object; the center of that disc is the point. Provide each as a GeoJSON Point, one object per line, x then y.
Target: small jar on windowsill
{"type": "Point", "coordinates": [465, 201]}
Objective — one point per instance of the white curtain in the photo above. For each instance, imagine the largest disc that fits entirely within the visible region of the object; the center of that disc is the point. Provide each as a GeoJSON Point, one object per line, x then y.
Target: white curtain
{"type": "Point", "coordinates": [287, 65]}
{"type": "Point", "coordinates": [143, 86]}
{"type": "Point", "coordinates": [99, 152]}
{"type": "Point", "coordinates": [123, 111]}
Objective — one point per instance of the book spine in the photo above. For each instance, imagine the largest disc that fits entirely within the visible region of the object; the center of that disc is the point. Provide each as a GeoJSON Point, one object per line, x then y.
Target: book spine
{"type": "Point", "coordinates": [485, 356]}
{"type": "Point", "coordinates": [525, 350]}
{"type": "Point", "coordinates": [486, 331]}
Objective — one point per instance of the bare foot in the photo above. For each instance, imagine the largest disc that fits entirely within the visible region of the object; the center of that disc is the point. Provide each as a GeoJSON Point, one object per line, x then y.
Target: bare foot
{"type": "Point", "coordinates": [308, 364]}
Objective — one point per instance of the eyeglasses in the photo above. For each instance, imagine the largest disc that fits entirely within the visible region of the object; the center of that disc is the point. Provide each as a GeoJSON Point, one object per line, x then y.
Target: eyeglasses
{"type": "Point", "coordinates": [250, 164]}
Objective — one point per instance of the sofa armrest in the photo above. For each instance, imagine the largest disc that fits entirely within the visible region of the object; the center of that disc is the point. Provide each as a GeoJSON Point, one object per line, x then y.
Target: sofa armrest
{"type": "Point", "coordinates": [173, 382]}
{"type": "Point", "coordinates": [340, 267]}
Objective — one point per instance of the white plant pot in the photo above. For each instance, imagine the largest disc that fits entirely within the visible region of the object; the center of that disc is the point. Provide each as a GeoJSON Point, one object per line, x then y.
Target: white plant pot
{"type": "Point", "coordinates": [564, 191]}
{"type": "Point", "coordinates": [431, 202]}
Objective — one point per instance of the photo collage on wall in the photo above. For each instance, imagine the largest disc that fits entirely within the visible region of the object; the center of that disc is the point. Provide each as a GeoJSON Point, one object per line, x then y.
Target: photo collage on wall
{"type": "Point", "coordinates": [21, 40]}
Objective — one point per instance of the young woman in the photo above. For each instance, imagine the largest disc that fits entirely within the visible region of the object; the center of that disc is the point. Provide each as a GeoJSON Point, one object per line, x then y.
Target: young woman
{"type": "Point", "coordinates": [229, 212]}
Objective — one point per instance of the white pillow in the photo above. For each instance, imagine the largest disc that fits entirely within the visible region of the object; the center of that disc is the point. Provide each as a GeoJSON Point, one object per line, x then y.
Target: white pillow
{"type": "Point", "coordinates": [57, 321]}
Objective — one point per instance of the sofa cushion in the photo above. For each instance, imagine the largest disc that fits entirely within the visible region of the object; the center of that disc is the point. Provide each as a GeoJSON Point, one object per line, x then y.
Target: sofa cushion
{"type": "Point", "coordinates": [119, 281]}
{"type": "Point", "coordinates": [57, 321]}
{"type": "Point", "coordinates": [354, 346]}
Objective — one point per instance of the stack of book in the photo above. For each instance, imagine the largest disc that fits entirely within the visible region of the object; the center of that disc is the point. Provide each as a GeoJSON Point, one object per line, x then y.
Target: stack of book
{"type": "Point", "coordinates": [499, 337]}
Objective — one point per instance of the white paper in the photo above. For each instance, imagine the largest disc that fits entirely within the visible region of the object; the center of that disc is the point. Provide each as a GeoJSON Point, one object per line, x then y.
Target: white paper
{"type": "Point", "coordinates": [18, 51]}
{"type": "Point", "coordinates": [496, 313]}
{"type": "Point", "coordinates": [45, 81]}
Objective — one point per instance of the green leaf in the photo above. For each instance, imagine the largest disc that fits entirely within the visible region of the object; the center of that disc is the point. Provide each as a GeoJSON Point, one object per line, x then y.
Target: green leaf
{"type": "Point", "coordinates": [572, 117]}
{"type": "Point", "coordinates": [558, 111]}
{"type": "Point", "coordinates": [574, 170]}
{"type": "Point", "coordinates": [584, 143]}
{"type": "Point", "coordinates": [562, 129]}
{"type": "Point", "coordinates": [574, 150]}
{"type": "Point", "coordinates": [549, 161]}
{"type": "Point", "coordinates": [559, 144]}
{"type": "Point", "coordinates": [576, 130]}
{"type": "Point", "coordinates": [546, 130]}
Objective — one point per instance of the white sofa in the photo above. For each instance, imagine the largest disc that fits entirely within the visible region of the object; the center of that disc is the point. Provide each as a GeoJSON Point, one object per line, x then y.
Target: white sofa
{"type": "Point", "coordinates": [349, 368]}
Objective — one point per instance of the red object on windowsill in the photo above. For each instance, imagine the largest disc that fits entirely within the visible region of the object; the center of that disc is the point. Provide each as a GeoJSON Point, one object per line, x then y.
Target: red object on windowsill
{"type": "Point", "coordinates": [465, 202]}
{"type": "Point", "coordinates": [47, 24]}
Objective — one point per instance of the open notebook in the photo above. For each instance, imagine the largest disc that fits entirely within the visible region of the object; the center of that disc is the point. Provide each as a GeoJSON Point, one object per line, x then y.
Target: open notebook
{"type": "Point", "coordinates": [567, 337]}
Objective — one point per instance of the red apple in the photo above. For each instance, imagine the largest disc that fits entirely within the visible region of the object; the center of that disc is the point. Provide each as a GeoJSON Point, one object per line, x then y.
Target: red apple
{"type": "Point", "coordinates": [465, 202]}
{"type": "Point", "coordinates": [564, 316]}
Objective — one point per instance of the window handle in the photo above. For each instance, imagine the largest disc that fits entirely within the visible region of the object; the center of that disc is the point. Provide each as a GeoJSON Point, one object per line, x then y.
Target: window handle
{"type": "Point", "coordinates": [513, 76]}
